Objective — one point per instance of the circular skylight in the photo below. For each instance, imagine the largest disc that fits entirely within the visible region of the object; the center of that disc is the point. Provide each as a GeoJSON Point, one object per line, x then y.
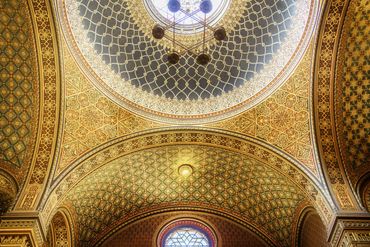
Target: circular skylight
{"type": "Point", "coordinates": [188, 17]}
{"type": "Point", "coordinates": [114, 43]}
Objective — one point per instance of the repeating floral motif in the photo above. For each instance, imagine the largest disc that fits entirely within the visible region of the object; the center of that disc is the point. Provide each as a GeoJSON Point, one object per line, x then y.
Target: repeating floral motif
{"type": "Point", "coordinates": [349, 110]}
{"type": "Point", "coordinates": [283, 118]}
{"type": "Point", "coordinates": [355, 89]}
{"type": "Point", "coordinates": [90, 117]}
{"type": "Point", "coordinates": [328, 143]}
{"type": "Point", "coordinates": [18, 87]}
{"type": "Point", "coordinates": [136, 143]}
{"type": "Point", "coordinates": [153, 106]}
{"type": "Point", "coordinates": [222, 179]}
{"type": "Point", "coordinates": [49, 81]}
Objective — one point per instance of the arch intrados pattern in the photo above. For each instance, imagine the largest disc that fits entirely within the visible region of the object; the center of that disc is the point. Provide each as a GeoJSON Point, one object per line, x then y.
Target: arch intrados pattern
{"type": "Point", "coordinates": [253, 148]}
{"type": "Point", "coordinates": [61, 229]}
{"type": "Point", "coordinates": [221, 178]}
{"type": "Point", "coordinates": [325, 101]}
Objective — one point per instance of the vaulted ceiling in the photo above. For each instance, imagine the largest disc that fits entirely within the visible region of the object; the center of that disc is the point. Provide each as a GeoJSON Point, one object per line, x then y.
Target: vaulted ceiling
{"type": "Point", "coordinates": [92, 142]}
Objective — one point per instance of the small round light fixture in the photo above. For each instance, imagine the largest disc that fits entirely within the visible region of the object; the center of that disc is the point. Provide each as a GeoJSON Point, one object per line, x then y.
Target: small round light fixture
{"type": "Point", "coordinates": [203, 59]}
{"type": "Point", "coordinates": [158, 32]}
{"type": "Point", "coordinates": [220, 34]}
{"type": "Point", "coordinates": [185, 170]}
{"type": "Point", "coordinates": [173, 58]}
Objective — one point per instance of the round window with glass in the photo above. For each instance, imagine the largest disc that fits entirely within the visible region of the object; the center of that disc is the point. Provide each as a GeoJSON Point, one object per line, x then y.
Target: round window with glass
{"type": "Point", "coordinates": [186, 233]}
{"type": "Point", "coordinates": [187, 14]}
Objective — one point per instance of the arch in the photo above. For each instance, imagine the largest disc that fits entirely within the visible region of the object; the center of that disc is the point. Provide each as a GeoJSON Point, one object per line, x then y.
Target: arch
{"type": "Point", "coordinates": [170, 136]}
{"type": "Point", "coordinates": [175, 137]}
{"type": "Point", "coordinates": [205, 230]}
{"type": "Point", "coordinates": [228, 231]}
{"type": "Point", "coordinates": [8, 192]}
{"type": "Point", "coordinates": [60, 230]}
{"type": "Point", "coordinates": [20, 90]}
{"type": "Point", "coordinates": [311, 230]}
{"type": "Point", "coordinates": [363, 191]}
{"type": "Point", "coordinates": [336, 112]}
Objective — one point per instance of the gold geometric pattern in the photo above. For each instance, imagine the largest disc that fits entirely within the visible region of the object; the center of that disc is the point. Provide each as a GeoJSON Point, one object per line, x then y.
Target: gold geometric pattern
{"type": "Point", "coordinates": [18, 87]}
{"type": "Point", "coordinates": [287, 130]}
{"type": "Point", "coordinates": [356, 89]}
{"type": "Point", "coordinates": [282, 119]}
{"type": "Point", "coordinates": [90, 117]}
{"type": "Point", "coordinates": [323, 107]}
{"type": "Point", "coordinates": [60, 231]}
{"type": "Point", "coordinates": [49, 81]}
{"type": "Point", "coordinates": [221, 179]}
{"type": "Point", "coordinates": [8, 193]}
{"type": "Point", "coordinates": [142, 232]}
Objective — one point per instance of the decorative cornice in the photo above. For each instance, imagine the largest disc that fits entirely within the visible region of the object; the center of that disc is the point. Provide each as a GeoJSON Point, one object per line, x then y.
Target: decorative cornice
{"type": "Point", "coordinates": [22, 224]}
{"type": "Point", "coordinates": [348, 228]}
{"type": "Point", "coordinates": [46, 45]}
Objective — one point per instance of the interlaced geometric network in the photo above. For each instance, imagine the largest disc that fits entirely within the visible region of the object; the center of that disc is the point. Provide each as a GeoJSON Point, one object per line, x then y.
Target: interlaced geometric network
{"type": "Point", "coordinates": [186, 237]}
{"type": "Point", "coordinates": [137, 58]}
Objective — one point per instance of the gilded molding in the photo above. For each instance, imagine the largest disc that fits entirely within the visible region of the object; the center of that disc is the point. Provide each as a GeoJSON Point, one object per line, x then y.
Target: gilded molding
{"type": "Point", "coordinates": [330, 30]}
{"type": "Point", "coordinates": [46, 41]}
{"type": "Point", "coordinates": [352, 93]}
{"type": "Point", "coordinates": [350, 231]}
{"type": "Point", "coordinates": [16, 240]}
{"type": "Point", "coordinates": [22, 224]}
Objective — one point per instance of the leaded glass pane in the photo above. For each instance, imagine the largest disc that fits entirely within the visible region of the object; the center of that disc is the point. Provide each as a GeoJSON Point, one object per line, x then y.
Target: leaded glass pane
{"type": "Point", "coordinates": [186, 237]}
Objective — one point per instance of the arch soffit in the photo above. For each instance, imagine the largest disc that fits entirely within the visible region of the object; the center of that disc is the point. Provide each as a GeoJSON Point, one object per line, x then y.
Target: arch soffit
{"type": "Point", "coordinates": [170, 136]}
{"type": "Point", "coordinates": [327, 124]}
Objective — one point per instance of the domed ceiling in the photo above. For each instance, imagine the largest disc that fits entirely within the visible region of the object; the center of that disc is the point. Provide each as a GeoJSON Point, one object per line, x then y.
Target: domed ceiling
{"type": "Point", "coordinates": [113, 43]}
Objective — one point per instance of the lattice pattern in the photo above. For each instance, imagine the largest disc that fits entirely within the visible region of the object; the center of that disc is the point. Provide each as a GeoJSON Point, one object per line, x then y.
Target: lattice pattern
{"type": "Point", "coordinates": [137, 58]}
{"type": "Point", "coordinates": [148, 178]}
{"type": "Point", "coordinates": [18, 95]}
{"type": "Point", "coordinates": [356, 88]}
{"type": "Point", "coordinates": [282, 119]}
{"type": "Point", "coordinates": [186, 237]}
{"type": "Point", "coordinates": [61, 235]}
{"type": "Point", "coordinates": [82, 103]}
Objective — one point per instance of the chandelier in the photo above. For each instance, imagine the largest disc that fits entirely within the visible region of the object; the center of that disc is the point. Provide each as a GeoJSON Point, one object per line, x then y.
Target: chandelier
{"type": "Point", "coordinates": [160, 32]}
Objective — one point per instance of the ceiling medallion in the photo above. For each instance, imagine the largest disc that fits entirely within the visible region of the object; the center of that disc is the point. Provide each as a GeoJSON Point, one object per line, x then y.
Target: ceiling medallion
{"type": "Point", "coordinates": [185, 170]}
{"type": "Point", "coordinates": [126, 48]}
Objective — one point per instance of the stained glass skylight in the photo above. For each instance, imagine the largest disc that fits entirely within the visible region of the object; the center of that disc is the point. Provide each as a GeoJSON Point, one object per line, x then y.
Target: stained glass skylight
{"type": "Point", "coordinates": [186, 237]}
{"type": "Point", "coordinates": [160, 11]}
